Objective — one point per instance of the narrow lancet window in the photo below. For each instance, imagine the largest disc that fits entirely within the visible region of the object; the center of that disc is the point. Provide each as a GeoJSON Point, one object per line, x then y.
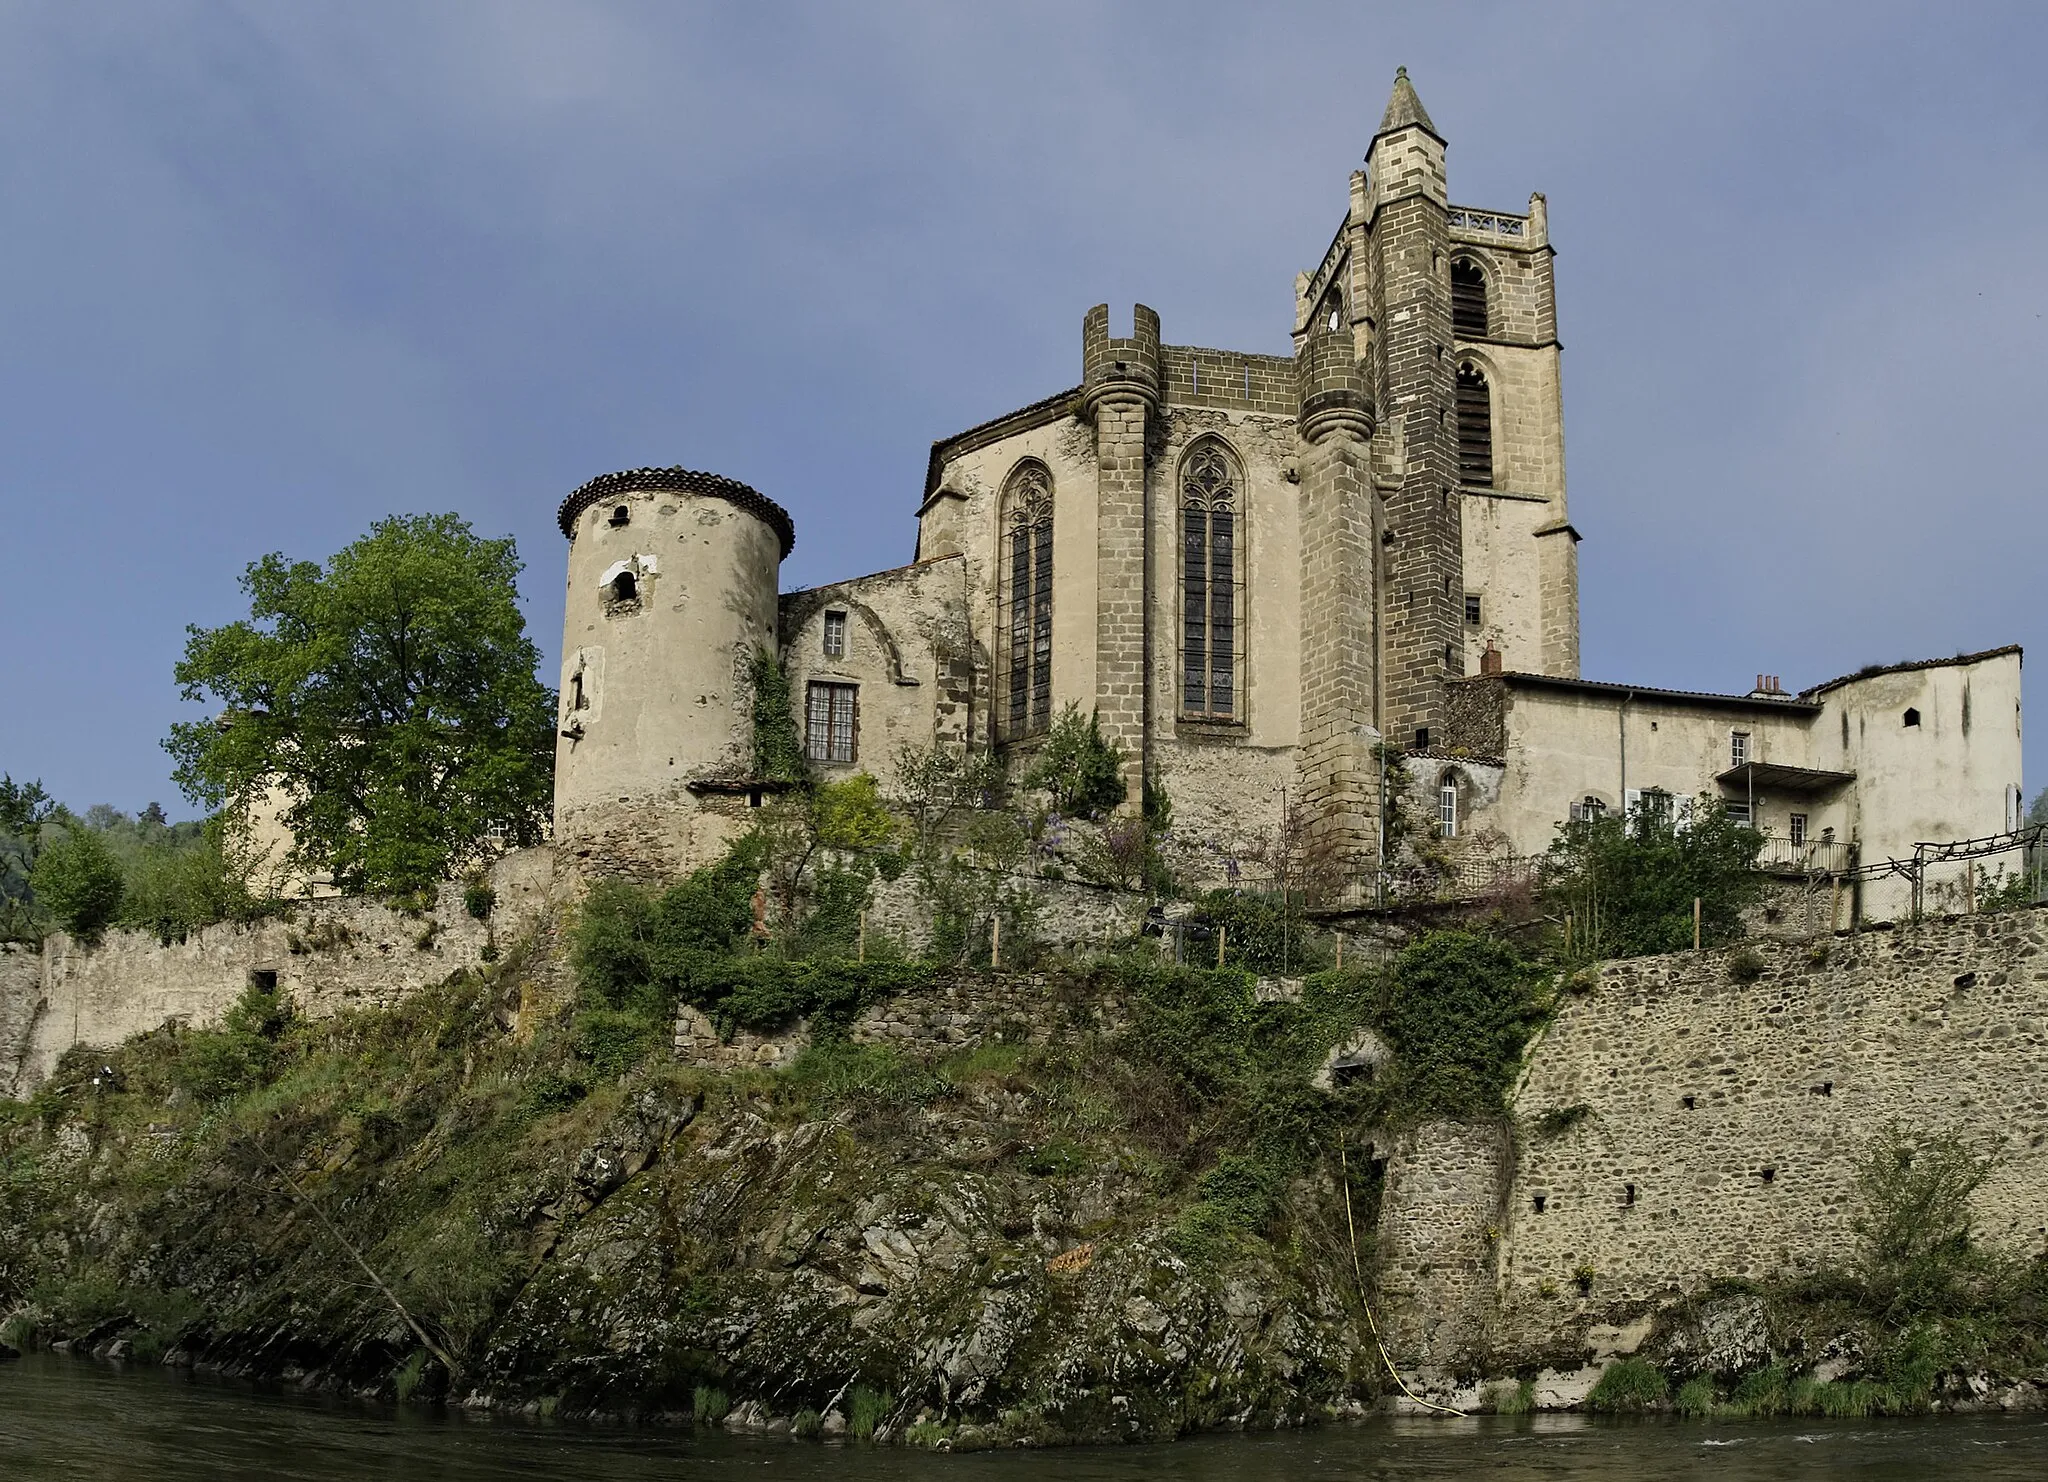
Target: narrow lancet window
{"type": "Point", "coordinates": [1210, 511]}
{"type": "Point", "coordinates": [1027, 601]}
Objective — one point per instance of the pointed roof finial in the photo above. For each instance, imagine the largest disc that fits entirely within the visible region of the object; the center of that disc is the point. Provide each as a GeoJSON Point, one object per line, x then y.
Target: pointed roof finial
{"type": "Point", "coordinates": [1404, 108]}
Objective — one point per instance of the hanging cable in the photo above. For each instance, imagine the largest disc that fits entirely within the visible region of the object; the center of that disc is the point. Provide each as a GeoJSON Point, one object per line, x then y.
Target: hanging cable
{"type": "Point", "coordinates": [1358, 1275]}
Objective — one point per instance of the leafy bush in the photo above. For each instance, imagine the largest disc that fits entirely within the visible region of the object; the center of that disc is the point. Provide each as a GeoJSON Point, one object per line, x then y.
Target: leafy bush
{"type": "Point", "coordinates": [1265, 933]}
{"type": "Point", "coordinates": [868, 1408]}
{"type": "Point", "coordinates": [478, 898]}
{"type": "Point", "coordinates": [219, 1064]}
{"type": "Point", "coordinates": [77, 880]}
{"type": "Point", "coordinates": [1914, 1223]}
{"type": "Point", "coordinates": [1628, 1385]}
{"type": "Point", "coordinates": [1082, 772]}
{"type": "Point", "coordinates": [1630, 885]}
{"type": "Point", "coordinates": [1461, 1008]}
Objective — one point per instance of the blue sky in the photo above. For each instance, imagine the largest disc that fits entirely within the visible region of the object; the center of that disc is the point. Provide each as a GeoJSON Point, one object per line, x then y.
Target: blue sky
{"type": "Point", "coordinates": [269, 272]}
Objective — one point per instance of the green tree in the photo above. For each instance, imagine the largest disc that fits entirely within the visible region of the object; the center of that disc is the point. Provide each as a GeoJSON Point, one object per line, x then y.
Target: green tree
{"type": "Point", "coordinates": [1630, 887]}
{"type": "Point", "coordinates": [1460, 1010]}
{"type": "Point", "coordinates": [390, 694]}
{"type": "Point", "coordinates": [826, 818]}
{"type": "Point", "coordinates": [77, 880]}
{"type": "Point", "coordinates": [24, 809]}
{"type": "Point", "coordinates": [1083, 773]}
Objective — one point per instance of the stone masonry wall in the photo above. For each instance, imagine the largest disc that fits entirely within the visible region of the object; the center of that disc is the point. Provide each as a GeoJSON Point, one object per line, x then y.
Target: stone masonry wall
{"type": "Point", "coordinates": [1440, 1214]}
{"type": "Point", "coordinates": [1724, 1119]}
{"type": "Point", "coordinates": [329, 955]}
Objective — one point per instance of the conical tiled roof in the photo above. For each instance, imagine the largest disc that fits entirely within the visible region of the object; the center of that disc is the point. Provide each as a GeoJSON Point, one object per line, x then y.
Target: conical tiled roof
{"type": "Point", "coordinates": [1404, 108]}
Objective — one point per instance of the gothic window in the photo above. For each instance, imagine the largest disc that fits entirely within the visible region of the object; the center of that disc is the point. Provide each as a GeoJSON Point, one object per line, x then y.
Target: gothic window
{"type": "Point", "coordinates": [1211, 509]}
{"type": "Point", "coordinates": [1027, 601]}
{"type": "Point", "coordinates": [829, 721]}
{"type": "Point", "coordinates": [1475, 429]}
{"type": "Point", "coordinates": [1468, 300]}
{"type": "Point", "coordinates": [1447, 805]}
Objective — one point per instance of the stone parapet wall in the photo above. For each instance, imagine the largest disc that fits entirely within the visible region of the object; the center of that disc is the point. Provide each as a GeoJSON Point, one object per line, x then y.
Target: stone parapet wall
{"type": "Point", "coordinates": [327, 955]}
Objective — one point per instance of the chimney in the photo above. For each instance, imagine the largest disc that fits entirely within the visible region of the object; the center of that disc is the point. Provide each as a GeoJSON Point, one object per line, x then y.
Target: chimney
{"type": "Point", "coordinates": [1489, 662]}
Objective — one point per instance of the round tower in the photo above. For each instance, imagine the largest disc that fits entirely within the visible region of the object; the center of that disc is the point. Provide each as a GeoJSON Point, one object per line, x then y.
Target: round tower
{"type": "Point", "coordinates": [672, 593]}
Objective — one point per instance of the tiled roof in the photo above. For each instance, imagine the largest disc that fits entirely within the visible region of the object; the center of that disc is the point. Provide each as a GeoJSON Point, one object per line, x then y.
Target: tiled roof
{"type": "Point", "coordinates": [680, 481]}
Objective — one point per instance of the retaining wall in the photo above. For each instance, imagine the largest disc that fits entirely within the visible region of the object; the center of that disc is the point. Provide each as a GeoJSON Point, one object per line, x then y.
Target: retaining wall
{"type": "Point", "coordinates": [328, 955]}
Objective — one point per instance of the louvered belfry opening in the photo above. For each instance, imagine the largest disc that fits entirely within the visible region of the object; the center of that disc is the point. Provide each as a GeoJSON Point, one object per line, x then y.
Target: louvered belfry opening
{"type": "Point", "coordinates": [1475, 429]}
{"type": "Point", "coordinates": [1468, 300]}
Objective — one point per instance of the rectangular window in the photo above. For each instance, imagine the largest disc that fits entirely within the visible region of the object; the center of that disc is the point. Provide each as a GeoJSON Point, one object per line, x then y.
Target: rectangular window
{"type": "Point", "coordinates": [1798, 828]}
{"type": "Point", "coordinates": [835, 635]}
{"type": "Point", "coordinates": [1737, 810]}
{"type": "Point", "coordinates": [1738, 748]}
{"type": "Point", "coordinates": [1473, 610]}
{"type": "Point", "coordinates": [830, 712]}
{"type": "Point", "coordinates": [1447, 809]}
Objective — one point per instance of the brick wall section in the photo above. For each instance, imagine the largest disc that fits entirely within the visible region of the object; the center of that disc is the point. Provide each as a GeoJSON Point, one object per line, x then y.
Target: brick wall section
{"type": "Point", "coordinates": [1334, 756]}
{"type": "Point", "coordinates": [1937, 1027]}
{"type": "Point", "coordinates": [1424, 598]}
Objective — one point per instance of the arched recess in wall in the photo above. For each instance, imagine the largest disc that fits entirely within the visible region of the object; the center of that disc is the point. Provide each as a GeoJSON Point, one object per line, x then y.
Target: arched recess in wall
{"type": "Point", "coordinates": [1024, 676]}
{"type": "Point", "coordinates": [1474, 404]}
{"type": "Point", "coordinates": [1212, 514]}
{"type": "Point", "coordinates": [1471, 298]}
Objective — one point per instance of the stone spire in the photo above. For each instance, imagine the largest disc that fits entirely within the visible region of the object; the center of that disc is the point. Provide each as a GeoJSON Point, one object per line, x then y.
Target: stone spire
{"type": "Point", "coordinates": [1404, 108]}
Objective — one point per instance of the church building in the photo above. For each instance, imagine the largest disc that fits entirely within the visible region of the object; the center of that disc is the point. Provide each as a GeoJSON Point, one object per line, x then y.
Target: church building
{"type": "Point", "coordinates": [1316, 579]}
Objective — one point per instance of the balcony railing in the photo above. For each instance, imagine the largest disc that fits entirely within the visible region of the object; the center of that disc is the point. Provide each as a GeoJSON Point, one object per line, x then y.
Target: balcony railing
{"type": "Point", "coordinates": [1781, 855]}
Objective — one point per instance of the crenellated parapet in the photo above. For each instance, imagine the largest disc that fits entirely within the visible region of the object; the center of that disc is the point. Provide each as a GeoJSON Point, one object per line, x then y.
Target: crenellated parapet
{"type": "Point", "coordinates": [1119, 369]}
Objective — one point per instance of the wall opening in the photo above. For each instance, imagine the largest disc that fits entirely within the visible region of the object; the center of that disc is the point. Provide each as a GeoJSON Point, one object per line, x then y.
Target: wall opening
{"type": "Point", "coordinates": [621, 516]}
{"type": "Point", "coordinates": [1628, 1193]}
{"type": "Point", "coordinates": [263, 979]}
{"type": "Point", "coordinates": [625, 587]}
{"type": "Point", "coordinates": [1912, 717]}
{"type": "Point", "coordinates": [1468, 299]}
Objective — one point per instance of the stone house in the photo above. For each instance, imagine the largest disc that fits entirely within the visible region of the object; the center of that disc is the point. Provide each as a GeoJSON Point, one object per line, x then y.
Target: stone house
{"type": "Point", "coordinates": [1306, 578]}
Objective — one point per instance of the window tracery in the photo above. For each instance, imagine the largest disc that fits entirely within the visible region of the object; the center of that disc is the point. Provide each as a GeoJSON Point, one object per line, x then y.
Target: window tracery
{"type": "Point", "coordinates": [1210, 496]}
{"type": "Point", "coordinates": [1027, 601]}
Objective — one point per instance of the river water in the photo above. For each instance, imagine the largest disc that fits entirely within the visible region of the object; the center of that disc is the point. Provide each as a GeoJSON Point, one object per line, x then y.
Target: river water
{"type": "Point", "coordinates": [71, 1418]}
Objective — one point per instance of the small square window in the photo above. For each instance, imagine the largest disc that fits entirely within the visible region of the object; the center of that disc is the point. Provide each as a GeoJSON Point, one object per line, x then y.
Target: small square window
{"type": "Point", "coordinates": [835, 635]}
{"type": "Point", "coordinates": [1474, 610]}
{"type": "Point", "coordinates": [1422, 738]}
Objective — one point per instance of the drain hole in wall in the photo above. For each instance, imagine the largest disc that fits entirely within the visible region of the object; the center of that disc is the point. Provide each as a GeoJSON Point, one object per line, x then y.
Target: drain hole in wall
{"type": "Point", "coordinates": [1539, 1201]}
{"type": "Point", "coordinates": [1688, 1102]}
{"type": "Point", "coordinates": [1628, 1193]}
{"type": "Point", "coordinates": [1769, 1175]}
{"type": "Point", "coordinates": [1966, 980]}
{"type": "Point", "coordinates": [1825, 1088]}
